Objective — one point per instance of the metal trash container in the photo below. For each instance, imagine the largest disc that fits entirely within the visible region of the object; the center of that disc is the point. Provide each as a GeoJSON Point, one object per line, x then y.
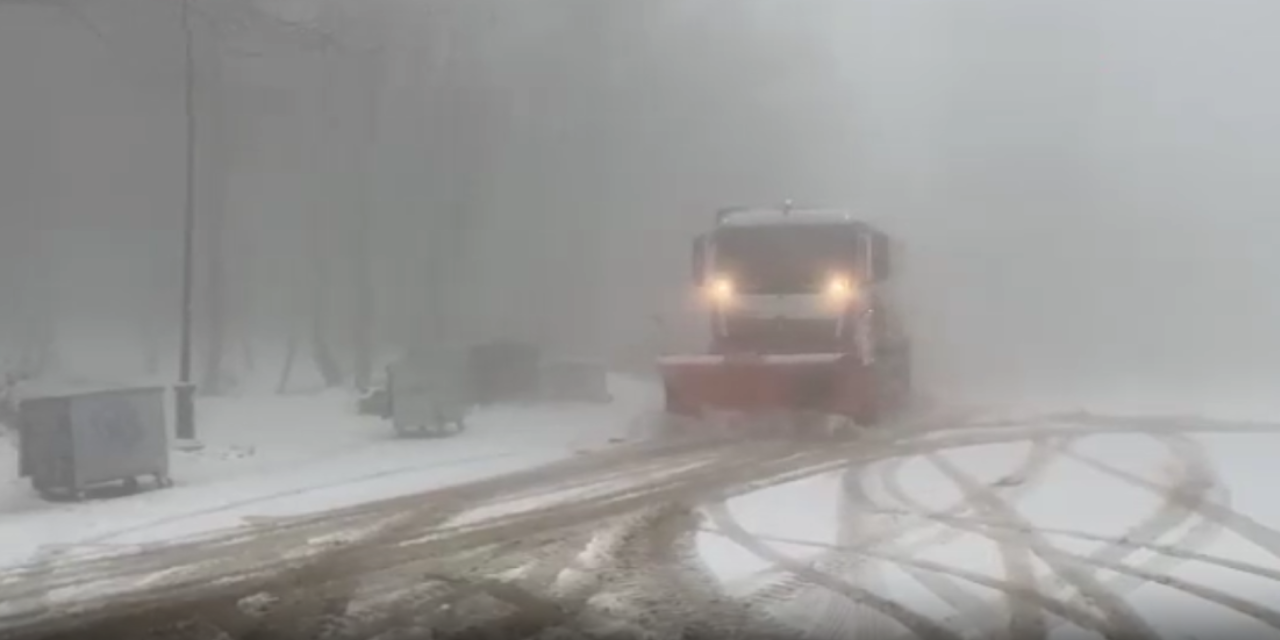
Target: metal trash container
{"type": "Point", "coordinates": [504, 371]}
{"type": "Point", "coordinates": [564, 380]}
{"type": "Point", "coordinates": [429, 392]}
{"type": "Point", "coordinates": [375, 402]}
{"type": "Point", "coordinates": [72, 442]}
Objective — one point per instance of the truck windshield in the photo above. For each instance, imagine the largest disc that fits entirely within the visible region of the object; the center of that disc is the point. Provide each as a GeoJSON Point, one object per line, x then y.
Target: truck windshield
{"type": "Point", "coordinates": [778, 260]}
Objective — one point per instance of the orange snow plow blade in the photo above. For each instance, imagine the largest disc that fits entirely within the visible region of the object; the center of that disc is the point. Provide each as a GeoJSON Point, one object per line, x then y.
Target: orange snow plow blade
{"type": "Point", "coordinates": [822, 383]}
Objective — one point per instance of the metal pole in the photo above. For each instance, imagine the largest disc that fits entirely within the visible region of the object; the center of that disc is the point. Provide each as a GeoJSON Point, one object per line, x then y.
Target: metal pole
{"type": "Point", "coordinates": [184, 392]}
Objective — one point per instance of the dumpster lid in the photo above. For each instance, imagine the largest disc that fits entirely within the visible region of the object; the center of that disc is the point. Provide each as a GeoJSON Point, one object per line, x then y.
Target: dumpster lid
{"type": "Point", "coordinates": [51, 390]}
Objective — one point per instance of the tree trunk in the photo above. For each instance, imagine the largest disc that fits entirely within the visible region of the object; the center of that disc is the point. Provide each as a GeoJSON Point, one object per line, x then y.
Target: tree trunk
{"type": "Point", "coordinates": [290, 355]}
{"type": "Point", "coordinates": [326, 363]}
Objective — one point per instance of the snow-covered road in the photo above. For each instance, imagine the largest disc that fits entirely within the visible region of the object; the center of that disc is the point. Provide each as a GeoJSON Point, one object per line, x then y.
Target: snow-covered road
{"type": "Point", "coordinates": [1140, 535]}
{"type": "Point", "coordinates": [1080, 526]}
{"type": "Point", "coordinates": [271, 457]}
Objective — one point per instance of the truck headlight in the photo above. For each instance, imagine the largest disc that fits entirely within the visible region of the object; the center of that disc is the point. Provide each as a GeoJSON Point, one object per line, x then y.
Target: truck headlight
{"type": "Point", "coordinates": [841, 288]}
{"type": "Point", "coordinates": [720, 289]}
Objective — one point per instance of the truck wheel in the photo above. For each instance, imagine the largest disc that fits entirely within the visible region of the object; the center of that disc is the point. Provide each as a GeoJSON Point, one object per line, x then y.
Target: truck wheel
{"type": "Point", "coordinates": [673, 404]}
{"type": "Point", "coordinates": [813, 425]}
{"type": "Point", "coordinates": [905, 388]}
{"type": "Point", "coordinates": [869, 414]}
{"type": "Point", "coordinates": [864, 394]}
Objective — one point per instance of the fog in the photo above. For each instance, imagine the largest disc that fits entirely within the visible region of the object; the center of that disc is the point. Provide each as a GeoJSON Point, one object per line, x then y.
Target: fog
{"type": "Point", "coordinates": [1081, 186]}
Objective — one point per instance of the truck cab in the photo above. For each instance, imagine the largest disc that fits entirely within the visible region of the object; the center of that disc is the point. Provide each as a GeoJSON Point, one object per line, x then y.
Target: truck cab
{"type": "Point", "coordinates": [802, 319]}
{"type": "Point", "coordinates": [793, 281]}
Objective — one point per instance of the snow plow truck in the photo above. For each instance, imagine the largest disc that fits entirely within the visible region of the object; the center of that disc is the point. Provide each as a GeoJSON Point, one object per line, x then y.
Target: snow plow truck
{"type": "Point", "coordinates": [802, 318]}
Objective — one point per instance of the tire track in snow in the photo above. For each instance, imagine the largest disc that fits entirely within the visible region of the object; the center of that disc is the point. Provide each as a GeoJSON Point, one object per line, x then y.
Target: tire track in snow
{"type": "Point", "coordinates": [737, 462]}
{"type": "Point", "coordinates": [1023, 480]}
{"type": "Point", "coordinates": [768, 465]}
{"type": "Point", "coordinates": [1026, 620]}
{"type": "Point", "coordinates": [1197, 486]}
{"type": "Point", "coordinates": [866, 622]}
{"type": "Point", "coordinates": [1170, 515]}
{"type": "Point", "coordinates": [1140, 575]}
{"type": "Point", "coordinates": [804, 575]}
{"type": "Point", "coordinates": [215, 546]}
{"type": "Point", "coordinates": [743, 466]}
{"type": "Point", "coordinates": [46, 564]}
{"type": "Point", "coordinates": [412, 608]}
{"type": "Point", "coordinates": [1142, 536]}
{"type": "Point", "coordinates": [1123, 623]}
{"type": "Point", "coordinates": [919, 624]}
{"type": "Point", "coordinates": [1025, 617]}
{"type": "Point", "coordinates": [1180, 503]}
{"type": "Point", "coordinates": [1017, 430]}
{"type": "Point", "coordinates": [744, 469]}
{"type": "Point", "coordinates": [860, 621]}
{"type": "Point", "coordinates": [1266, 538]}
{"type": "Point", "coordinates": [1196, 479]}
{"type": "Point", "coordinates": [1161, 549]}
{"type": "Point", "coordinates": [1083, 619]}
{"type": "Point", "coordinates": [176, 518]}
{"type": "Point", "coordinates": [1133, 576]}
{"type": "Point", "coordinates": [266, 557]}
{"type": "Point", "coordinates": [837, 615]}
{"type": "Point", "coordinates": [1030, 471]}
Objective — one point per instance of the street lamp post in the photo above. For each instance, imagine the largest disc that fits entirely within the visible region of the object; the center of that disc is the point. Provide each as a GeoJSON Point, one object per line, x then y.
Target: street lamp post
{"type": "Point", "coordinates": [184, 392]}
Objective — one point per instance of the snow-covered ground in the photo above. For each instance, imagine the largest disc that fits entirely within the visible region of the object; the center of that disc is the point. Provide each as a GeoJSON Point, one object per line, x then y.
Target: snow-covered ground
{"type": "Point", "coordinates": [270, 456]}
{"type": "Point", "coordinates": [1077, 505]}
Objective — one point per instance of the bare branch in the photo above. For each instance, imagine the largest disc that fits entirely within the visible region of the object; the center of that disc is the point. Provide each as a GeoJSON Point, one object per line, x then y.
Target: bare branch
{"type": "Point", "coordinates": [76, 8]}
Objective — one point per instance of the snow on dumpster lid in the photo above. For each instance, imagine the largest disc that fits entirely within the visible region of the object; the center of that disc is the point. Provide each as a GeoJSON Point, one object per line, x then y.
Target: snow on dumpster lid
{"type": "Point", "coordinates": [65, 388]}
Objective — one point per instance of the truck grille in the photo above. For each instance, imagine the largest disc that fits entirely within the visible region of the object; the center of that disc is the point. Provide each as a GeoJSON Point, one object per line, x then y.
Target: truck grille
{"type": "Point", "coordinates": [779, 336]}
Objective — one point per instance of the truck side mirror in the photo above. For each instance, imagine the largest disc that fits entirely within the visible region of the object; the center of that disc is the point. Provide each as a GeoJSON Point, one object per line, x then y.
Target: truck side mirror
{"type": "Point", "coordinates": [699, 265]}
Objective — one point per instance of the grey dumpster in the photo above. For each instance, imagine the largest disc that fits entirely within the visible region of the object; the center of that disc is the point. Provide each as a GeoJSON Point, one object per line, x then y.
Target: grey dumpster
{"type": "Point", "coordinates": [429, 392]}
{"type": "Point", "coordinates": [72, 442]}
{"type": "Point", "coordinates": [374, 402]}
{"type": "Point", "coordinates": [565, 380]}
{"type": "Point", "coordinates": [504, 371]}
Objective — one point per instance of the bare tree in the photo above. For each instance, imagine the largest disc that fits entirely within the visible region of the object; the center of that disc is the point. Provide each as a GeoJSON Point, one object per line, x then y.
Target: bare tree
{"type": "Point", "coordinates": [481, 151]}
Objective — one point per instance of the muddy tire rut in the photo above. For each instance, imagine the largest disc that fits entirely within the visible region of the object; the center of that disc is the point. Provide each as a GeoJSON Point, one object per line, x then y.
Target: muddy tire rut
{"type": "Point", "coordinates": [606, 546]}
